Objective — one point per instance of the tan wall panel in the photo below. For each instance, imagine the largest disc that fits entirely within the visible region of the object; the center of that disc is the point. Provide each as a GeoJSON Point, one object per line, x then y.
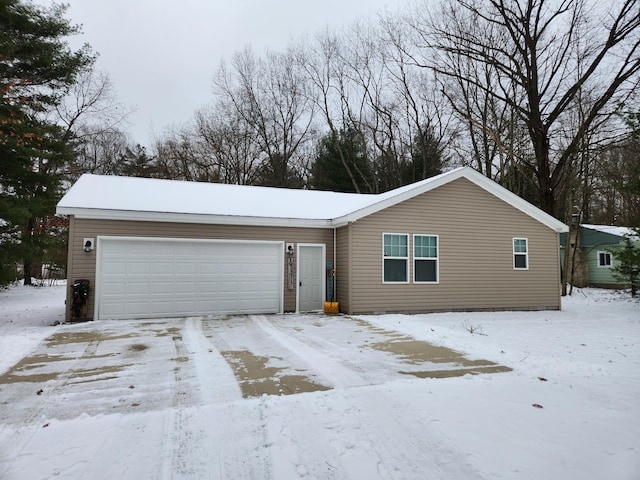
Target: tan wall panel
{"type": "Point", "coordinates": [83, 265]}
{"type": "Point", "coordinates": [342, 268]}
{"type": "Point", "coordinates": [475, 232]}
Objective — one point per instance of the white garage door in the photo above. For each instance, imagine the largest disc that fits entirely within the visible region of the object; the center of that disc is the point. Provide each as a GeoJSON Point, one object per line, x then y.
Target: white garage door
{"type": "Point", "coordinates": [153, 278]}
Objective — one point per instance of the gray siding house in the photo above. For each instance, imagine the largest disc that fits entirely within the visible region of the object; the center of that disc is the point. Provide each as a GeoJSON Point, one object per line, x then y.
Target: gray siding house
{"type": "Point", "coordinates": [158, 248]}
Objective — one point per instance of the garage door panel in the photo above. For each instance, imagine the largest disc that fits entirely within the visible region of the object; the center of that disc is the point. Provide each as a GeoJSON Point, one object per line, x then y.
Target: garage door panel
{"type": "Point", "coordinates": [227, 268]}
{"type": "Point", "coordinates": [113, 288]}
{"type": "Point", "coordinates": [207, 268]}
{"type": "Point", "coordinates": [135, 308]}
{"type": "Point", "coordinates": [228, 287]}
{"type": "Point", "coordinates": [140, 249]}
{"type": "Point", "coordinates": [185, 307]}
{"type": "Point", "coordinates": [166, 250]}
{"type": "Point", "coordinates": [139, 268]}
{"type": "Point", "coordinates": [161, 308]}
{"type": "Point", "coordinates": [208, 285]}
{"type": "Point", "coordinates": [113, 310]}
{"type": "Point", "coordinates": [117, 249]}
{"type": "Point", "coordinates": [138, 288]}
{"type": "Point", "coordinates": [184, 249]}
{"type": "Point", "coordinates": [162, 288]}
{"type": "Point", "coordinates": [144, 278]}
{"type": "Point", "coordinates": [184, 268]}
{"type": "Point", "coordinates": [185, 288]}
{"type": "Point", "coordinates": [228, 306]}
{"type": "Point", "coordinates": [114, 268]}
{"type": "Point", "coordinates": [162, 267]}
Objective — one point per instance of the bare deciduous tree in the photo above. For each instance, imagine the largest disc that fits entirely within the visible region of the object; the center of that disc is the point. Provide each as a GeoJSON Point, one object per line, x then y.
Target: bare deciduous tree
{"type": "Point", "coordinates": [270, 95]}
{"type": "Point", "coordinates": [543, 54]}
{"type": "Point", "coordinates": [93, 119]}
{"type": "Point", "coordinates": [424, 119]}
{"type": "Point", "coordinates": [232, 143]}
{"type": "Point", "coordinates": [331, 92]}
{"type": "Point", "coordinates": [99, 152]}
{"type": "Point", "coordinates": [91, 106]}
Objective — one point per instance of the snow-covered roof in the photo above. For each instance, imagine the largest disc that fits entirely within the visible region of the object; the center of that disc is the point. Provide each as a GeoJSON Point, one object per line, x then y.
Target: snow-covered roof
{"type": "Point", "coordinates": [131, 198]}
{"type": "Point", "coordinates": [611, 229]}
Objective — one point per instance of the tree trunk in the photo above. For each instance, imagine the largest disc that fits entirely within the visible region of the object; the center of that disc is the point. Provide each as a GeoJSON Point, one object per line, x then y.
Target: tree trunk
{"type": "Point", "coordinates": [26, 266]}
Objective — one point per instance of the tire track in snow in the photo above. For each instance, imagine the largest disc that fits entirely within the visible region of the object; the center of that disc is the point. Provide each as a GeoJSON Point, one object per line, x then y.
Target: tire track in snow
{"type": "Point", "coordinates": [181, 430]}
{"type": "Point", "coordinates": [250, 457]}
{"type": "Point", "coordinates": [212, 416]}
{"type": "Point", "coordinates": [352, 444]}
{"type": "Point", "coordinates": [339, 370]}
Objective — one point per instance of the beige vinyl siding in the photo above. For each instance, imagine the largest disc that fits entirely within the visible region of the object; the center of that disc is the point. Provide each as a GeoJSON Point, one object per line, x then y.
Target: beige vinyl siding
{"type": "Point", "coordinates": [342, 268]}
{"type": "Point", "coordinates": [476, 232]}
{"type": "Point", "coordinates": [82, 265]}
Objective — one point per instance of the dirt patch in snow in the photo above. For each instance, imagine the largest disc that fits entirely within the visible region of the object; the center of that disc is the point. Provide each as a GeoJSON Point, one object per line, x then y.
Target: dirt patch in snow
{"type": "Point", "coordinates": [418, 352]}
{"type": "Point", "coordinates": [64, 338]}
{"type": "Point", "coordinates": [256, 378]}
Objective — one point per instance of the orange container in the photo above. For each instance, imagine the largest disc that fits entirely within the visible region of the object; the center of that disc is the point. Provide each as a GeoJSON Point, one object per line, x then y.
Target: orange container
{"type": "Point", "coordinates": [331, 307]}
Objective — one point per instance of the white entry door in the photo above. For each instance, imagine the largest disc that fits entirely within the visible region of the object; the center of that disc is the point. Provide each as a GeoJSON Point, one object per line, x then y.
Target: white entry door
{"type": "Point", "coordinates": [311, 285]}
{"type": "Point", "coordinates": [154, 278]}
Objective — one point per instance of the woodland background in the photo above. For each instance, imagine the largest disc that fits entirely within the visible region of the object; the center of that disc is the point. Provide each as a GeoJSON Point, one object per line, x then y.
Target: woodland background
{"type": "Point", "coordinates": [540, 96]}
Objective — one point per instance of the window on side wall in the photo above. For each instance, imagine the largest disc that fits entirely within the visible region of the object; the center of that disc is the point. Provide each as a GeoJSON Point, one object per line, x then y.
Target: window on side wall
{"type": "Point", "coordinates": [395, 262]}
{"type": "Point", "coordinates": [520, 254]}
{"type": "Point", "coordinates": [604, 259]}
{"type": "Point", "coordinates": [425, 258]}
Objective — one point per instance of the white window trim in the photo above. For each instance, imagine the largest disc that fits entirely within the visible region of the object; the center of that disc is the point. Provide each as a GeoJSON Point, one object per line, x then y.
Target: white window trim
{"type": "Point", "coordinates": [514, 253]}
{"type": "Point", "coordinates": [610, 259]}
{"type": "Point", "coordinates": [396, 258]}
{"type": "Point", "coordinates": [436, 258]}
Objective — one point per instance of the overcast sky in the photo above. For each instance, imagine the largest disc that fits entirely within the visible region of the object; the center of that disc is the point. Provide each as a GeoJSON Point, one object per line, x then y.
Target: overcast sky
{"type": "Point", "coordinates": [161, 55]}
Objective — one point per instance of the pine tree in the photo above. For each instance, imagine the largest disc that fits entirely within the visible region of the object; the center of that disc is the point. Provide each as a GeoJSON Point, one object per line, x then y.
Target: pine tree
{"type": "Point", "coordinates": [427, 157]}
{"type": "Point", "coordinates": [36, 69]}
{"type": "Point", "coordinates": [628, 270]}
{"type": "Point", "coordinates": [337, 152]}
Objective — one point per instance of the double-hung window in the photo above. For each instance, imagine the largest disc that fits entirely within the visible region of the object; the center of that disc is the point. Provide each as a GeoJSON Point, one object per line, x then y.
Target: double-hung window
{"type": "Point", "coordinates": [604, 259]}
{"type": "Point", "coordinates": [425, 258]}
{"type": "Point", "coordinates": [395, 251]}
{"type": "Point", "coordinates": [520, 254]}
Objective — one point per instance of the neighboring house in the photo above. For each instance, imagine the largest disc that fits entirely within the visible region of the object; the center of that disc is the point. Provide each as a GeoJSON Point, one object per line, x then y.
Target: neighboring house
{"type": "Point", "coordinates": [160, 248]}
{"type": "Point", "coordinates": [590, 260]}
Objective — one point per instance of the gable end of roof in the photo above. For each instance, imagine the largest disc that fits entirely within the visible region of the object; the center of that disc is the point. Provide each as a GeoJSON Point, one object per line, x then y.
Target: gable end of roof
{"type": "Point", "coordinates": [470, 174]}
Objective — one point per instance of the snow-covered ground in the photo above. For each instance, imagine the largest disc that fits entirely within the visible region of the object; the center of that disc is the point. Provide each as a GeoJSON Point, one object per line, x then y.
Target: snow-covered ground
{"type": "Point", "coordinates": [177, 398]}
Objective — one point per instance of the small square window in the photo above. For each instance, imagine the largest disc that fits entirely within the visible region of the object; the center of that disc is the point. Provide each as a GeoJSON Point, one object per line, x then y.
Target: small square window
{"type": "Point", "coordinates": [520, 254]}
{"type": "Point", "coordinates": [604, 259]}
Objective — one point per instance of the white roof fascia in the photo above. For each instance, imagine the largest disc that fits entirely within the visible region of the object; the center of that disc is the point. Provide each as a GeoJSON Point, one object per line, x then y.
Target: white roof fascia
{"type": "Point", "coordinates": [471, 175]}
{"type": "Point", "coordinates": [132, 215]}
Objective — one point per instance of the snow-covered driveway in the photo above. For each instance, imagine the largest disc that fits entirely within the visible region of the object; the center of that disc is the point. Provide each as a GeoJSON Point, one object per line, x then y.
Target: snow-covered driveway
{"type": "Point", "coordinates": [142, 369]}
{"type": "Point", "coordinates": [325, 397]}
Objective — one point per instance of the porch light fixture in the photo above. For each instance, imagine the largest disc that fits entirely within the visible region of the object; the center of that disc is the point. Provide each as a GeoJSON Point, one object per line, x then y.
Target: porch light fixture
{"type": "Point", "coordinates": [88, 244]}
